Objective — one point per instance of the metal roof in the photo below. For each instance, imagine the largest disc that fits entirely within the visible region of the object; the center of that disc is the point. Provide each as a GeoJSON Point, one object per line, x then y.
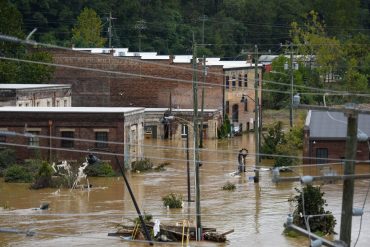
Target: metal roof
{"type": "Point", "coordinates": [124, 110]}
{"type": "Point", "coordinates": [333, 125]}
{"type": "Point", "coordinates": [33, 86]}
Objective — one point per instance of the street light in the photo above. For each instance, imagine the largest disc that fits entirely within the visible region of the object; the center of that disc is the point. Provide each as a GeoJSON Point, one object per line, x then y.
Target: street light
{"type": "Point", "coordinates": [257, 125]}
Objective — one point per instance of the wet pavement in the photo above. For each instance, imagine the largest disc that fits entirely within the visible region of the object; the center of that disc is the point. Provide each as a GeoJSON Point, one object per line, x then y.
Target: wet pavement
{"type": "Point", "coordinates": [255, 211]}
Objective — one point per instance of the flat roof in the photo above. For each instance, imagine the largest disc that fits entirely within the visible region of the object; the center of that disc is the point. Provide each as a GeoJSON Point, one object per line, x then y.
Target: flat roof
{"type": "Point", "coordinates": [73, 109]}
{"type": "Point", "coordinates": [32, 86]}
{"type": "Point", "coordinates": [177, 110]}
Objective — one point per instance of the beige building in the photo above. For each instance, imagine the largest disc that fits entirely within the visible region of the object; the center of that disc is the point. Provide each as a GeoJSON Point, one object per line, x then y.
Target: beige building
{"type": "Point", "coordinates": [36, 95]}
{"type": "Point", "coordinates": [239, 78]}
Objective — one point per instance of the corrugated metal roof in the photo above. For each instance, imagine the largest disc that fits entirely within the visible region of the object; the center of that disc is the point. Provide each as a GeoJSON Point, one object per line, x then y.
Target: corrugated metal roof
{"type": "Point", "coordinates": [333, 125]}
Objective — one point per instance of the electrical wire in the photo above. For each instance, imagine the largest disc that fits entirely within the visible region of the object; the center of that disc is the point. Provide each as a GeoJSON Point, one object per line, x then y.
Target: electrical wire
{"type": "Point", "coordinates": [161, 147]}
{"type": "Point", "coordinates": [363, 207]}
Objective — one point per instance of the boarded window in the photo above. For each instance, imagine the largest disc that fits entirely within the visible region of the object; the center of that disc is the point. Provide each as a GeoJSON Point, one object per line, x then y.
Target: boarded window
{"type": "Point", "coordinates": [101, 139]}
{"type": "Point", "coordinates": [321, 153]}
{"type": "Point", "coordinates": [67, 141]}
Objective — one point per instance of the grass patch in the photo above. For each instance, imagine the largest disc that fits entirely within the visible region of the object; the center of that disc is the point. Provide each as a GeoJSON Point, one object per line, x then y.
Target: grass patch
{"type": "Point", "coordinates": [228, 186]}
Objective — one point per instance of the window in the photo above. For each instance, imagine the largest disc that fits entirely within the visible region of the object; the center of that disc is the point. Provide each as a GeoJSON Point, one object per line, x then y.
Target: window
{"type": "Point", "coordinates": [65, 103]}
{"type": "Point", "coordinates": [19, 105]}
{"type": "Point", "coordinates": [227, 82]}
{"type": "Point", "coordinates": [33, 139]}
{"type": "Point", "coordinates": [233, 83]}
{"type": "Point", "coordinates": [240, 81]}
{"type": "Point", "coordinates": [57, 102]}
{"type": "Point", "coordinates": [235, 114]}
{"type": "Point", "coordinates": [227, 107]}
{"type": "Point", "coordinates": [245, 104]}
{"type": "Point", "coordinates": [2, 138]}
{"type": "Point", "coordinates": [101, 139]}
{"type": "Point", "coordinates": [321, 153]}
{"type": "Point", "coordinates": [67, 143]}
{"type": "Point", "coordinates": [37, 103]}
{"type": "Point", "coordinates": [48, 104]}
{"type": "Point", "coordinates": [26, 104]}
{"type": "Point", "coordinates": [246, 80]}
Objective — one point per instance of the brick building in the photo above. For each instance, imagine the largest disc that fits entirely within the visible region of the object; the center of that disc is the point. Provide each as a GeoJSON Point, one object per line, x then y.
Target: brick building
{"type": "Point", "coordinates": [137, 80]}
{"type": "Point", "coordinates": [325, 135]}
{"type": "Point", "coordinates": [69, 133]}
{"type": "Point", "coordinates": [35, 95]}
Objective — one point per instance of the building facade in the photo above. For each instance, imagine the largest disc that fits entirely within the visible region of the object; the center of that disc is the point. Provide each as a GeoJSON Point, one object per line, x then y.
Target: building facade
{"type": "Point", "coordinates": [70, 133]}
{"type": "Point", "coordinates": [325, 135]}
{"type": "Point", "coordinates": [181, 124]}
{"type": "Point", "coordinates": [240, 95]}
{"type": "Point", "coordinates": [114, 78]}
{"type": "Point", "coordinates": [36, 95]}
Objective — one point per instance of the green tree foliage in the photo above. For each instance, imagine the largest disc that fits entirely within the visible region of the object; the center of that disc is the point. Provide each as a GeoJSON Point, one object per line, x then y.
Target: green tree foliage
{"type": "Point", "coordinates": [43, 177]}
{"type": "Point", "coordinates": [314, 203]}
{"type": "Point", "coordinates": [99, 170]}
{"type": "Point", "coordinates": [230, 26]}
{"type": "Point", "coordinates": [17, 174]}
{"type": "Point", "coordinates": [19, 72]}
{"type": "Point", "coordinates": [225, 129]}
{"type": "Point", "coordinates": [36, 73]}
{"type": "Point", "coordinates": [7, 158]}
{"type": "Point", "coordinates": [87, 31]}
{"type": "Point", "coordinates": [274, 137]}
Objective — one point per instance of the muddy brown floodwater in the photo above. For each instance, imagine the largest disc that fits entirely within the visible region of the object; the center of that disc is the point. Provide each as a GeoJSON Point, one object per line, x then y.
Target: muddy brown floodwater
{"type": "Point", "coordinates": [255, 211]}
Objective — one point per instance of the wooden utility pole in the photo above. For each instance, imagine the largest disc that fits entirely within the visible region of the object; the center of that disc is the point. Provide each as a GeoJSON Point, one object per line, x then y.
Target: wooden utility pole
{"type": "Point", "coordinates": [202, 107]}
{"type": "Point", "coordinates": [348, 183]}
{"type": "Point", "coordinates": [256, 117]}
{"type": "Point", "coordinates": [196, 142]}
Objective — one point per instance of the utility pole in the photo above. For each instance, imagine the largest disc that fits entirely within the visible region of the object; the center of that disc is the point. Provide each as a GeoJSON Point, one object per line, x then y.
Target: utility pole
{"type": "Point", "coordinates": [348, 183]}
{"type": "Point", "coordinates": [202, 109]}
{"type": "Point", "coordinates": [110, 30]}
{"type": "Point", "coordinates": [291, 86]}
{"type": "Point", "coordinates": [196, 144]}
{"type": "Point", "coordinates": [140, 25]}
{"type": "Point", "coordinates": [203, 18]}
{"type": "Point", "coordinates": [256, 116]}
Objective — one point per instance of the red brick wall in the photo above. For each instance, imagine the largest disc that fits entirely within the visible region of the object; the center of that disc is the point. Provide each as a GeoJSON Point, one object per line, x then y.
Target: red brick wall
{"type": "Point", "coordinates": [103, 89]}
{"type": "Point", "coordinates": [83, 124]}
{"type": "Point", "coordinates": [336, 150]}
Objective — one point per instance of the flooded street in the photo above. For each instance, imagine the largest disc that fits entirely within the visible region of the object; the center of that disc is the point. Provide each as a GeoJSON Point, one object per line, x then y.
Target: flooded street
{"type": "Point", "coordinates": [255, 211]}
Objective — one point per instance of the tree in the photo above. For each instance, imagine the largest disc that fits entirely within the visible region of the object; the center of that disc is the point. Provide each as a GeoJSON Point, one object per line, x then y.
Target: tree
{"type": "Point", "coordinates": [274, 137]}
{"type": "Point", "coordinates": [312, 203]}
{"type": "Point", "coordinates": [87, 31]}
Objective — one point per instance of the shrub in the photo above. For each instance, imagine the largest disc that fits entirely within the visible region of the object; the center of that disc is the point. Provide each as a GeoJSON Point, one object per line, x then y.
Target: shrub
{"type": "Point", "coordinates": [229, 186]}
{"type": "Point", "coordinates": [313, 205]}
{"type": "Point", "coordinates": [142, 165]}
{"type": "Point", "coordinates": [43, 178]}
{"type": "Point", "coordinates": [225, 128]}
{"type": "Point", "coordinates": [172, 200]}
{"type": "Point", "coordinates": [7, 158]}
{"type": "Point", "coordinates": [100, 170]}
{"type": "Point", "coordinates": [17, 174]}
